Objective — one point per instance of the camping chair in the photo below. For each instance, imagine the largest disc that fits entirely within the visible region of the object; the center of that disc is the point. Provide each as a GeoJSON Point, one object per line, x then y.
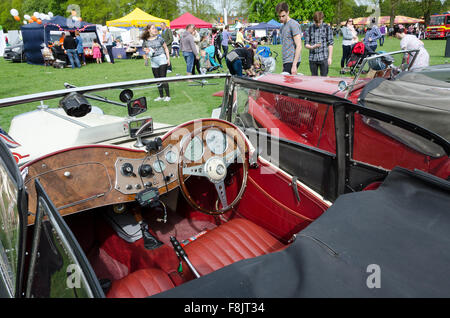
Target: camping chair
{"type": "Point", "coordinates": [47, 56]}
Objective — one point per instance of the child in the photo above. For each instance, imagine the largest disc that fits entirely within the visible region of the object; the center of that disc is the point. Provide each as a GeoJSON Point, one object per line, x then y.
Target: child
{"type": "Point", "coordinates": [205, 64]}
{"type": "Point", "coordinates": [96, 52]}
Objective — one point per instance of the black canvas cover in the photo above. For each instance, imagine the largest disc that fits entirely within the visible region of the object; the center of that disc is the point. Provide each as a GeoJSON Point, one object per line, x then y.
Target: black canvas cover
{"type": "Point", "coordinates": [414, 97]}
{"type": "Point", "coordinates": [403, 228]}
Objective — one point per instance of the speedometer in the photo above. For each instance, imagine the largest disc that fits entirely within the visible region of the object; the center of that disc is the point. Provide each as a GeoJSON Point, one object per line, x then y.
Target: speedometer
{"type": "Point", "coordinates": [216, 141]}
{"type": "Point", "coordinates": [194, 150]}
{"type": "Point", "coordinates": [159, 166]}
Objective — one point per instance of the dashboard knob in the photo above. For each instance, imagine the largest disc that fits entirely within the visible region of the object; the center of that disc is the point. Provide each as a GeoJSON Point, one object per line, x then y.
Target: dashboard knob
{"type": "Point", "coordinates": [145, 170]}
{"type": "Point", "coordinates": [127, 169]}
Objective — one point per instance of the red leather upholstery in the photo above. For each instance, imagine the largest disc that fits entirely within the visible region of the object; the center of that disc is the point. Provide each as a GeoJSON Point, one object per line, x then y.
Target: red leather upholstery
{"type": "Point", "coordinates": [141, 283]}
{"type": "Point", "coordinates": [231, 242]}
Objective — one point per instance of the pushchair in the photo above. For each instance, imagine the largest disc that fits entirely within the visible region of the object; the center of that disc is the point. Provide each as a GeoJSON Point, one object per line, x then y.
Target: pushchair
{"type": "Point", "coordinates": [359, 53]}
{"type": "Point", "coordinates": [266, 58]}
{"type": "Point", "coordinates": [265, 51]}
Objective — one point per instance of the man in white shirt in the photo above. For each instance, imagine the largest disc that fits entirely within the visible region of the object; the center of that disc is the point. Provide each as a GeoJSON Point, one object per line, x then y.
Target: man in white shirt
{"type": "Point", "coordinates": [411, 42]}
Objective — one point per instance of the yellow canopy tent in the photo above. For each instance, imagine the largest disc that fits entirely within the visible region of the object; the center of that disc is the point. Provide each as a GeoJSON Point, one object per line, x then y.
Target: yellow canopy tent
{"type": "Point", "coordinates": [136, 18]}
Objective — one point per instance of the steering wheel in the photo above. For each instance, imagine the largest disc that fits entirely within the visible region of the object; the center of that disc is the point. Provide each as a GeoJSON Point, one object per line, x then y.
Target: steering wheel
{"type": "Point", "coordinates": [214, 167]}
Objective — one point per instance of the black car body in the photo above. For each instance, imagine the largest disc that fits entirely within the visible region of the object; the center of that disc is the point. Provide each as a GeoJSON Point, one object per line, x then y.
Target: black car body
{"type": "Point", "coordinates": [15, 53]}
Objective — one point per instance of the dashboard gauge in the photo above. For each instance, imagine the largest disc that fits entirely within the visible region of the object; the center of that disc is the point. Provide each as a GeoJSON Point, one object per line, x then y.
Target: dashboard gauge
{"type": "Point", "coordinates": [159, 166]}
{"type": "Point", "coordinates": [194, 150]}
{"type": "Point", "coordinates": [171, 156]}
{"type": "Point", "coordinates": [216, 141]}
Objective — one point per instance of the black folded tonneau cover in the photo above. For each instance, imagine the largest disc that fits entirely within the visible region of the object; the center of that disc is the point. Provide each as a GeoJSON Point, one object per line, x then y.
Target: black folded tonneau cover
{"type": "Point", "coordinates": [400, 231]}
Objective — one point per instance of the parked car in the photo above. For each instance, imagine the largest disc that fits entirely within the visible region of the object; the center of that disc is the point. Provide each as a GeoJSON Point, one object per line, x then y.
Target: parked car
{"type": "Point", "coordinates": [15, 53]}
{"type": "Point", "coordinates": [207, 209]}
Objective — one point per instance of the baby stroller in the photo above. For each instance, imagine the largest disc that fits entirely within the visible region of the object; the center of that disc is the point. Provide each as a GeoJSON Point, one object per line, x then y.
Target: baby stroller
{"type": "Point", "coordinates": [266, 59]}
{"type": "Point", "coordinates": [265, 51]}
{"type": "Point", "coordinates": [359, 53]}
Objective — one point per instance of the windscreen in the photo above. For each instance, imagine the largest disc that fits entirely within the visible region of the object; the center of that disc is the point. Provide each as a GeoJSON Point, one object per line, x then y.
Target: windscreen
{"type": "Point", "coordinates": [288, 117]}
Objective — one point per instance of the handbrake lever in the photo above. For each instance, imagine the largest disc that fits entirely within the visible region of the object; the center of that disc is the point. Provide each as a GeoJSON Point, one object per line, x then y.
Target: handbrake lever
{"type": "Point", "coordinates": [181, 253]}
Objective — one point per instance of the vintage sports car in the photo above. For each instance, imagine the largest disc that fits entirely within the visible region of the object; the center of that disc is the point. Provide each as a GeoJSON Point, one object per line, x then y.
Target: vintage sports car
{"type": "Point", "coordinates": [197, 211]}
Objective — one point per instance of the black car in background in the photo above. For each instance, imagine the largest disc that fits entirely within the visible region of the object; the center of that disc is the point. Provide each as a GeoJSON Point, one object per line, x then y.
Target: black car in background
{"type": "Point", "coordinates": [15, 53]}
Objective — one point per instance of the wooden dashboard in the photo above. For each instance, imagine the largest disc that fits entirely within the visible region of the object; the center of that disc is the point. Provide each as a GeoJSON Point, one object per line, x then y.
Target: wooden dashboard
{"type": "Point", "coordinates": [87, 177]}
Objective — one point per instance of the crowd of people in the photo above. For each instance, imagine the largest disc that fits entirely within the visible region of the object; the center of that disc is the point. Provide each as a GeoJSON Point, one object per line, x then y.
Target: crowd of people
{"type": "Point", "coordinates": [207, 51]}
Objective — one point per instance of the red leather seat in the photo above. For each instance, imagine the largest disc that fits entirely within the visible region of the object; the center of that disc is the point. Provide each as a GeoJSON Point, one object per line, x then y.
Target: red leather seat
{"type": "Point", "coordinates": [233, 241]}
{"type": "Point", "coordinates": [141, 283]}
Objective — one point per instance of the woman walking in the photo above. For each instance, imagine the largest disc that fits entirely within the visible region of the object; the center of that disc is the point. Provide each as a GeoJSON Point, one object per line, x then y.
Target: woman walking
{"type": "Point", "coordinates": [349, 37]}
{"type": "Point", "coordinates": [158, 54]}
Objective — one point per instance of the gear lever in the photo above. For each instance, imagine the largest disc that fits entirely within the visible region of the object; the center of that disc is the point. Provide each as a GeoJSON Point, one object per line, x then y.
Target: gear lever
{"type": "Point", "coordinates": [150, 242]}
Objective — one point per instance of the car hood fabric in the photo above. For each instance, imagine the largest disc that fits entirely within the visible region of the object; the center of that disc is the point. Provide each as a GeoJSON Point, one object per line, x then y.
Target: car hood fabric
{"type": "Point", "coordinates": [400, 231]}
{"type": "Point", "coordinates": [413, 97]}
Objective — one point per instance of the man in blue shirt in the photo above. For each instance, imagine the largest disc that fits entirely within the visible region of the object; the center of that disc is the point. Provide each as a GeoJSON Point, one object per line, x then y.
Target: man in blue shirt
{"type": "Point", "coordinates": [225, 38]}
{"type": "Point", "coordinates": [372, 36]}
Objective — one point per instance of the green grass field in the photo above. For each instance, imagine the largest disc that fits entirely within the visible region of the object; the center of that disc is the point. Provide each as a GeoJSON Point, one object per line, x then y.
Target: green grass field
{"type": "Point", "coordinates": [188, 102]}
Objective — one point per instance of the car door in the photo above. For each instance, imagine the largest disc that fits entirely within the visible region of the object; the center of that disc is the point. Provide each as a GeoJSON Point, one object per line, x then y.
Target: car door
{"type": "Point", "coordinates": [293, 129]}
{"type": "Point", "coordinates": [13, 203]}
{"type": "Point", "coordinates": [58, 266]}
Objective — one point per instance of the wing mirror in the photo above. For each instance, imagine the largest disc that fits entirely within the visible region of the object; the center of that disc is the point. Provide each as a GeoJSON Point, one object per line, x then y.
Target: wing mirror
{"type": "Point", "coordinates": [342, 86]}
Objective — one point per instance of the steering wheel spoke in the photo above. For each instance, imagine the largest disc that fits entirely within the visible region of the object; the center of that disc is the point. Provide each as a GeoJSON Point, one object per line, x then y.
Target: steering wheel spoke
{"type": "Point", "coordinates": [220, 188]}
{"type": "Point", "coordinates": [198, 170]}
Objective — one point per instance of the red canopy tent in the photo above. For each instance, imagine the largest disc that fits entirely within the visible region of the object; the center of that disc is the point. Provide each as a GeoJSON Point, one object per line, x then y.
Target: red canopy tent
{"type": "Point", "coordinates": [182, 21]}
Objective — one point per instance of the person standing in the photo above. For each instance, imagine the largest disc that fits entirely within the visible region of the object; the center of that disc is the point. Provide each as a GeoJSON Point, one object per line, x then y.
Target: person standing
{"type": "Point", "coordinates": [240, 37]}
{"type": "Point", "coordinates": [187, 46]}
{"type": "Point", "coordinates": [411, 42]}
{"type": "Point", "coordinates": [349, 37]}
{"type": "Point", "coordinates": [372, 35]}
{"type": "Point", "coordinates": [217, 42]}
{"type": "Point", "coordinates": [383, 34]}
{"type": "Point", "coordinates": [176, 45]}
{"type": "Point", "coordinates": [80, 49]}
{"type": "Point", "coordinates": [158, 54]}
{"type": "Point", "coordinates": [108, 43]}
{"type": "Point", "coordinates": [197, 39]}
{"type": "Point", "coordinates": [167, 36]}
{"type": "Point", "coordinates": [290, 38]}
{"type": "Point", "coordinates": [319, 41]}
{"type": "Point", "coordinates": [216, 36]}
{"type": "Point", "coordinates": [274, 37]}
{"type": "Point", "coordinates": [70, 48]}
{"type": "Point", "coordinates": [96, 51]}
{"type": "Point", "coordinates": [226, 37]}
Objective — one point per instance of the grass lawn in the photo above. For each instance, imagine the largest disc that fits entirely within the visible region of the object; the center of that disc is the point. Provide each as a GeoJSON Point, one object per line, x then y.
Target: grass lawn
{"type": "Point", "coordinates": [188, 102]}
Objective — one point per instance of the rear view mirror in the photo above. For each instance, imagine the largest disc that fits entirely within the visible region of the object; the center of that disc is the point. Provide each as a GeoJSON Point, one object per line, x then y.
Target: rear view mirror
{"type": "Point", "coordinates": [137, 106]}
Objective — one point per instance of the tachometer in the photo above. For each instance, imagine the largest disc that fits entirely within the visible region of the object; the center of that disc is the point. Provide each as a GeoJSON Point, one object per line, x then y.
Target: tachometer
{"type": "Point", "coordinates": [216, 141]}
{"type": "Point", "coordinates": [194, 150]}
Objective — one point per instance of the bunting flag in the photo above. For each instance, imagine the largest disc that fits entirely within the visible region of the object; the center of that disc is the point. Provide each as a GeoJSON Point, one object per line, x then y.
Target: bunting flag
{"type": "Point", "coordinates": [72, 29]}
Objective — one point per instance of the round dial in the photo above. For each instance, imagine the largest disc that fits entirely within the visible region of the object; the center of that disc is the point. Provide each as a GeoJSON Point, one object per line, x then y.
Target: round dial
{"type": "Point", "coordinates": [194, 150]}
{"type": "Point", "coordinates": [171, 156]}
{"type": "Point", "coordinates": [159, 166]}
{"type": "Point", "coordinates": [216, 141]}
